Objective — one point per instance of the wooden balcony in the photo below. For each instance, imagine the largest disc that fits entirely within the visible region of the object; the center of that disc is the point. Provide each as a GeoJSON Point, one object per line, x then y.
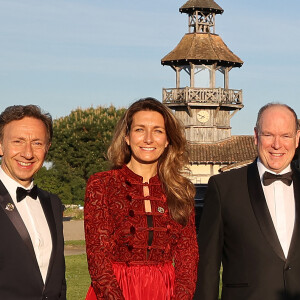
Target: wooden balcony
{"type": "Point", "coordinates": [203, 97]}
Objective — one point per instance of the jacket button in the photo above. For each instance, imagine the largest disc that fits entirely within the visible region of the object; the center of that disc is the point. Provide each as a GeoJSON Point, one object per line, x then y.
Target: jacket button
{"type": "Point", "coordinates": [132, 230]}
{"type": "Point", "coordinates": [127, 182]}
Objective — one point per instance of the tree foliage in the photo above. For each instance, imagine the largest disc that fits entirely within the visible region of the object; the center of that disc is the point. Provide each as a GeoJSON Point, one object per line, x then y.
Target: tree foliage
{"type": "Point", "coordinates": [79, 146]}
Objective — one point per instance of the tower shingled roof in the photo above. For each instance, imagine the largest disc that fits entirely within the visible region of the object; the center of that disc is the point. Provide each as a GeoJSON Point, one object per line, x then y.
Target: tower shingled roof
{"type": "Point", "coordinates": [202, 5]}
{"type": "Point", "coordinates": [202, 48]}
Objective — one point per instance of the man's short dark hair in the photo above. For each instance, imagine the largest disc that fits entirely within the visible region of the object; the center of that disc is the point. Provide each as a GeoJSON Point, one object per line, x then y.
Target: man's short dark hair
{"type": "Point", "coordinates": [274, 104]}
{"type": "Point", "coordinates": [18, 112]}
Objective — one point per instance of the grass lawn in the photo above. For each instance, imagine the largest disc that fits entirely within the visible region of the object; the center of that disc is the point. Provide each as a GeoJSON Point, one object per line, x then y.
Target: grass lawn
{"type": "Point", "coordinates": [77, 276]}
{"type": "Point", "coordinates": [75, 243]}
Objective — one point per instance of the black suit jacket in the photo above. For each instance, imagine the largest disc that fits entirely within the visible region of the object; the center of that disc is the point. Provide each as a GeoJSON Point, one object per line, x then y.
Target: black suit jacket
{"type": "Point", "coordinates": [20, 277]}
{"type": "Point", "coordinates": [236, 229]}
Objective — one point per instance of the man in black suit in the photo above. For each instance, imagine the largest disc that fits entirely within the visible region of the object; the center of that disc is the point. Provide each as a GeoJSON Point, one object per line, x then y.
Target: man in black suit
{"type": "Point", "coordinates": [251, 219]}
{"type": "Point", "coordinates": [32, 265]}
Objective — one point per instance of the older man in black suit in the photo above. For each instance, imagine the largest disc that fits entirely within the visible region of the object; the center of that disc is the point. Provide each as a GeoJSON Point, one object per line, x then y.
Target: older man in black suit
{"type": "Point", "coordinates": [251, 219]}
{"type": "Point", "coordinates": [32, 263]}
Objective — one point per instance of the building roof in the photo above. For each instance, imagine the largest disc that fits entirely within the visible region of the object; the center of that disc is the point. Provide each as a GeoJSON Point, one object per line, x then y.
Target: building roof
{"type": "Point", "coordinates": [236, 165]}
{"type": "Point", "coordinates": [234, 150]}
{"type": "Point", "coordinates": [201, 5]}
{"type": "Point", "coordinates": [201, 48]}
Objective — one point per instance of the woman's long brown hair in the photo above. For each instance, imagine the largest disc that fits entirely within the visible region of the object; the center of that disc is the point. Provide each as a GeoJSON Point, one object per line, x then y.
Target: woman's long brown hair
{"type": "Point", "coordinates": [173, 162]}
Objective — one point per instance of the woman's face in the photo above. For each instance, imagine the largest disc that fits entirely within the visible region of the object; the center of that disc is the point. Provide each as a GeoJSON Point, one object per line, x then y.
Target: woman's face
{"type": "Point", "coordinates": [147, 137]}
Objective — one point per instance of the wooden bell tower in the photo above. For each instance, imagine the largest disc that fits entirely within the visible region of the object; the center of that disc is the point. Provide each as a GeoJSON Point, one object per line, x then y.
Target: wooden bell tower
{"type": "Point", "coordinates": [207, 104]}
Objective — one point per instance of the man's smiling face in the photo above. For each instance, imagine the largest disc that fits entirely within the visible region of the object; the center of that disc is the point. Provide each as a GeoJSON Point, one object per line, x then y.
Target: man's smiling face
{"type": "Point", "coordinates": [276, 138]}
{"type": "Point", "coordinates": [23, 149]}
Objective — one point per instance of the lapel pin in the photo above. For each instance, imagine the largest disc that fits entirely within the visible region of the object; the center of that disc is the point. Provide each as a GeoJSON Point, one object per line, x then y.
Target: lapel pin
{"type": "Point", "coordinates": [9, 207]}
{"type": "Point", "coordinates": [161, 210]}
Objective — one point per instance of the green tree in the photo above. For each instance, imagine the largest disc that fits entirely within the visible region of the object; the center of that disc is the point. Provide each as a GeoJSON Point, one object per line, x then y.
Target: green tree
{"type": "Point", "coordinates": [79, 147]}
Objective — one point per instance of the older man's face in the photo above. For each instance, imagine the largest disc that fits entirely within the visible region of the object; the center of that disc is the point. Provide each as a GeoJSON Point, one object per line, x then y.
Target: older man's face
{"type": "Point", "coordinates": [23, 149]}
{"type": "Point", "coordinates": [277, 138]}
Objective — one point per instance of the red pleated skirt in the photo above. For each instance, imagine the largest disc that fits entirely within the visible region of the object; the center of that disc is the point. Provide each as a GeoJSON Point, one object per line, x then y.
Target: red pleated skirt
{"type": "Point", "coordinates": [143, 282]}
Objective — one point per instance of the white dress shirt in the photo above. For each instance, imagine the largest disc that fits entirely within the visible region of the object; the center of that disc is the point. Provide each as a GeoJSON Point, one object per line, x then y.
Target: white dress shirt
{"type": "Point", "coordinates": [35, 221]}
{"type": "Point", "coordinates": [281, 203]}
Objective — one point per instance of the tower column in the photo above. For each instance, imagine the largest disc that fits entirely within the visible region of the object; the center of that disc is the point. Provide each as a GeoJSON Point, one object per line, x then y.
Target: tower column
{"type": "Point", "coordinates": [192, 75]}
{"type": "Point", "coordinates": [212, 76]}
{"type": "Point", "coordinates": [226, 78]}
{"type": "Point", "coordinates": [177, 77]}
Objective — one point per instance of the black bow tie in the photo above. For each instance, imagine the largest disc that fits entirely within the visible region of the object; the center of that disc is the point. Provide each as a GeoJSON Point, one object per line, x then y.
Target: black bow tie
{"type": "Point", "coordinates": [22, 193]}
{"type": "Point", "coordinates": [269, 178]}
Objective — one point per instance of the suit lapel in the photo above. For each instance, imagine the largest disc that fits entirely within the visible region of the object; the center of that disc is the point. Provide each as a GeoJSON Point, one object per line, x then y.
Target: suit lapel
{"type": "Point", "coordinates": [12, 213]}
{"type": "Point", "coordinates": [46, 205]}
{"type": "Point", "coordinates": [294, 246]}
{"type": "Point", "coordinates": [261, 211]}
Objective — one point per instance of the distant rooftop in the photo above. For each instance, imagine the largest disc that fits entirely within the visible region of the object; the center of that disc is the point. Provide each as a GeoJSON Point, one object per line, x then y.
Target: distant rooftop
{"type": "Point", "coordinates": [237, 149]}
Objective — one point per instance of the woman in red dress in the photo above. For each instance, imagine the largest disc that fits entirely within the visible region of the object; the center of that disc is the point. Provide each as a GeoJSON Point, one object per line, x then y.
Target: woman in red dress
{"type": "Point", "coordinates": [139, 216]}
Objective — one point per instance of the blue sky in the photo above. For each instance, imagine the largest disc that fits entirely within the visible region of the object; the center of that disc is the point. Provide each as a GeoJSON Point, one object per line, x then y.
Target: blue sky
{"type": "Point", "coordinates": [64, 54]}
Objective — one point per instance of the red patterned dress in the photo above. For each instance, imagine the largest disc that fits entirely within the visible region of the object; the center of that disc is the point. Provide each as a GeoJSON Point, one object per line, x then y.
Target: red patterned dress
{"type": "Point", "coordinates": [133, 254]}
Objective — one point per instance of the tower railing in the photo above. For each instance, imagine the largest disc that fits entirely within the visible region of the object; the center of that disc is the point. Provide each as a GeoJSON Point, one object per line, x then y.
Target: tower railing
{"type": "Point", "coordinates": [202, 95]}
